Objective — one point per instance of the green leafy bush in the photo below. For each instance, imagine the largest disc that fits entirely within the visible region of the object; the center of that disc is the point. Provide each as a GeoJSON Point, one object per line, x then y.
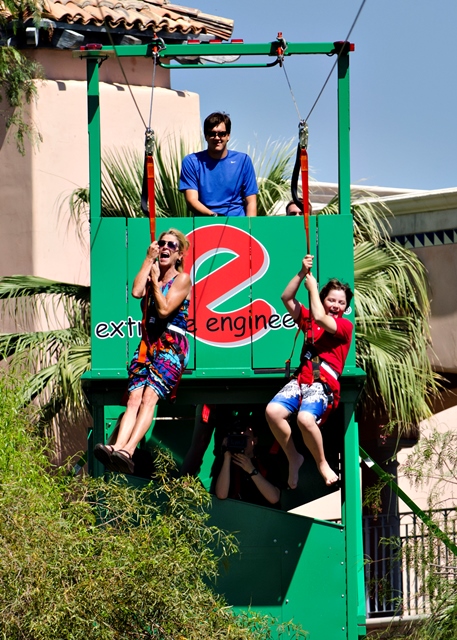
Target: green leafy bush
{"type": "Point", "coordinates": [86, 559]}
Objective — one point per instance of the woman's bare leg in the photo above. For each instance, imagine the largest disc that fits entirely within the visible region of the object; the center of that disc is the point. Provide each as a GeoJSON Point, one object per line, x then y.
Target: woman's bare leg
{"type": "Point", "coordinates": [129, 417]}
{"type": "Point", "coordinates": [312, 437]}
{"type": "Point", "coordinates": [141, 405]}
{"type": "Point", "coordinates": [277, 416]}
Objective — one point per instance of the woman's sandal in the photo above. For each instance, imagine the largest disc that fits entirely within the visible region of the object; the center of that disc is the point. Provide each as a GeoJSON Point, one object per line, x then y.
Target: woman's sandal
{"type": "Point", "coordinates": [123, 461]}
{"type": "Point", "coordinates": [103, 453]}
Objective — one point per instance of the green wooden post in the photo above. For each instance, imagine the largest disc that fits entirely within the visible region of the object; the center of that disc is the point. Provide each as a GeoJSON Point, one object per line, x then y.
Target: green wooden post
{"type": "Point", "coordinates": [344, 126]}
{"type": "Point", "coordinates": [93, 112]}
{"type": "Point", "coordinates": [352, 504]}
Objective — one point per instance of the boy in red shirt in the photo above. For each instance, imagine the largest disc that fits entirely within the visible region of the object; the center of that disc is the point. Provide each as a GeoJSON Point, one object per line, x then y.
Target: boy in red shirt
{"type": "Point", "coordinates": [314, 390]}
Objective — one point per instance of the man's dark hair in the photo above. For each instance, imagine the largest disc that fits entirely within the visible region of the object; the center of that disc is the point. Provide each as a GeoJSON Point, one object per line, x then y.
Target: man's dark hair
{"type": "Point", "coordinates": [291, 202]}
{"type": "Point", "coordinates": [339, 286]}
{"type": "Point", "coordinates": [214, 119]}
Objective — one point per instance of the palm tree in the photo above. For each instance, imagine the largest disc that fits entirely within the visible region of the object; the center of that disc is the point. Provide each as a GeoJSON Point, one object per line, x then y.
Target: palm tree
{"type": "Point", "coordinates": [390, 291]}
{"type": "Point", "coordinates": [122, 177]}
{"type": "Point", "coordinates": [18, 72]}
{"type": "Point", "coordinates": [392, 331]}
{"type": "Point", "coordinates": [52, 360]}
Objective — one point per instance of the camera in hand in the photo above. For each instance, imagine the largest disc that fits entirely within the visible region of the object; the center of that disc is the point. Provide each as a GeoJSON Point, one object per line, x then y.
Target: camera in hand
{"type": "Point", "coordinates": [236, 443]}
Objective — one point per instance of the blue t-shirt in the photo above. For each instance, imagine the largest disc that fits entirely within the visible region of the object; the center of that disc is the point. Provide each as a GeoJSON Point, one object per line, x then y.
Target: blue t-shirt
{"type": "Point", "coordinates": [223, 184]}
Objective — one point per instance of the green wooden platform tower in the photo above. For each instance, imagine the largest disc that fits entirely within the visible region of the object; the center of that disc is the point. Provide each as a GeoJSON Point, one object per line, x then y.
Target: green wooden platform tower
{"type": "Point", "coordinates": [291, 566]}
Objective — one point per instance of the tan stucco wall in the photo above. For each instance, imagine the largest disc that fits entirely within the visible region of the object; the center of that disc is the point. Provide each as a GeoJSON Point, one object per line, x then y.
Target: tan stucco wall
{"type": "Point", "coordinates": [428, 212]}
{"type": "Point", "coordinates": [61, 65]}
{"type": "Point", "coordinates": [441, 264]}
{"type": "Point", "coordinates": [443, 421]}
{"type": "Point", "coordinates": [35, 237]}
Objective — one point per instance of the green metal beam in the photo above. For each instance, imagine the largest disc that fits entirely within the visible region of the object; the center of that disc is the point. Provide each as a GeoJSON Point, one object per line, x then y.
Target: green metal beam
{"type": "Point", "coordinates": [216, 49]}
{"type": "Point", "coordinates": [93, 115]}
{"type": "Point", "coordinates": [389, 480]}
{"type": "Point", "coordinates": [344, 173]}
{"type": "Point", "coordinates": [352, 519]}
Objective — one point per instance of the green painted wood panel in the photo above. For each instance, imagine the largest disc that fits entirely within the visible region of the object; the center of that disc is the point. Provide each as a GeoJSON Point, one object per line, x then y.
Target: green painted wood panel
{"type": "Point", "coordinates": [221, 296]}
{"type": "Point", "coordinates": [283, 240]}
{"type": "Point", "coordinates": [108, 297]}
{"type": "Point", "coordinates": [290, 566]}
{"type": "Point", "coordinates": [336, 260]}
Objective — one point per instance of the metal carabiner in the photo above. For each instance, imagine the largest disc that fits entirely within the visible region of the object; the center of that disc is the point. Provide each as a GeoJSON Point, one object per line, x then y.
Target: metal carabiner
{"type": "Point", "coordinates": [303, 134]}
{"type": "Point", "coordinates": [281, 49]}
{"type": "Point", "coordinates": [149, 142]}
{"type": "Point", "coordinates": [158, 44]}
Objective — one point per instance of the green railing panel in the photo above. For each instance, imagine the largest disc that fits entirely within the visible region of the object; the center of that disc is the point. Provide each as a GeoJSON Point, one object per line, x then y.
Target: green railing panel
{"type": "Point", "coordinates": [108, 297]}
{"type": "Point", "coordinates": [336, 259]}
{"type": "Point", "coordinates": [283, 241]}
{"type": "Point", "coordinates": [220, 305]}
{"type": "Point", "coordinates": [290, 566]}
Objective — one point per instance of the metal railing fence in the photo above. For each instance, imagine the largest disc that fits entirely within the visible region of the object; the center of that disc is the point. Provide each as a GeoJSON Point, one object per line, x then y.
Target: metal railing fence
{"type": "Point", "coordinates": [406, 566]}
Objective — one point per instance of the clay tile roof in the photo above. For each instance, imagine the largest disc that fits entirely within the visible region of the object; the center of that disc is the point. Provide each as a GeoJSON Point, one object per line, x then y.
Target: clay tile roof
{"type": "Point", "coordinates": [138, 14]}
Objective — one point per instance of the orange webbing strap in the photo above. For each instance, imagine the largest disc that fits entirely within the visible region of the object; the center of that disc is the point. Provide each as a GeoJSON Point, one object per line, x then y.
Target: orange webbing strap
{"type": "Point", "coordinates": [305, 193]}
{"type": "Point", "coordinates": [303, 325]}
{"type": "Point", "coordinates": [148, 203]}
{"type": "Point", "coordinates": [144, 344]}
{"type": "Point", "coordinates": [151, 196]}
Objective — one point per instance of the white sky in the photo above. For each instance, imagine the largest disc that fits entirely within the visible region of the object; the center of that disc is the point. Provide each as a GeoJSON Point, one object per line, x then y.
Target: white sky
{"type": "Point", "coordinates": [403, 86]}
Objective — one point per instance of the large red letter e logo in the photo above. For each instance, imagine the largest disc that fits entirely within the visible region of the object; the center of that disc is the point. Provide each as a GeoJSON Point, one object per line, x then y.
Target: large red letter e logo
{"type": "Point", "coordinates": [249, 262]}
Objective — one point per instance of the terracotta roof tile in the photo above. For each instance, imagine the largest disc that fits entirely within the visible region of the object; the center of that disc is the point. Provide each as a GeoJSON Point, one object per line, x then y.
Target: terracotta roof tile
{"type": "Point", "coordinates": [157, 15]}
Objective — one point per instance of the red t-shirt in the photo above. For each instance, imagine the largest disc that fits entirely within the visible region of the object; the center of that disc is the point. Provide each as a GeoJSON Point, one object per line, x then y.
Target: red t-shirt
{"type": "Point", "coordinates": [332, 348]}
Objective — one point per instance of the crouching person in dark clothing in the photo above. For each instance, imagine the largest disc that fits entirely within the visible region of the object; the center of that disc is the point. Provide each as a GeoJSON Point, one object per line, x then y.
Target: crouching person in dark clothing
{"type": "Point", "coordinates": [242, 476]}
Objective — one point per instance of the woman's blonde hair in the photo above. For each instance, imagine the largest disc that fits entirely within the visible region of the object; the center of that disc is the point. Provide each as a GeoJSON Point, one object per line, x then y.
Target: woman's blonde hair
{"type": "Point", "coordinates": [183, 244]}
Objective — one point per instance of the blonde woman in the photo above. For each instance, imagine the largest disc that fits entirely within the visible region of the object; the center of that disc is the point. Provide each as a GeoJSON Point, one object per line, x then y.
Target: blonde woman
{"type": "Point", "coordinates": [162, 355]}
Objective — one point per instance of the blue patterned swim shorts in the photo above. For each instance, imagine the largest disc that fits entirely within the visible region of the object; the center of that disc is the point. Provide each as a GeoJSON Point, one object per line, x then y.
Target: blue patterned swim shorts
{"type": "Point", "coordinates": [311, 398]}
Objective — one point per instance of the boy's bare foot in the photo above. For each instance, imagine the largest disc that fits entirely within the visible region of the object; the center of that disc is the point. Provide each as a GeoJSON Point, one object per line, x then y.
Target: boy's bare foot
{"type": "Point", "coordinates": [328, 474]}
{"type": "Point", "coordinates": [294, 468]}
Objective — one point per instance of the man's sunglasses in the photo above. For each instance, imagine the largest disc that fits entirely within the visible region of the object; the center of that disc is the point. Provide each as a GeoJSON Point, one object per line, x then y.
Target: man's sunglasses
{"type": "Point", "coordinates": [168, 243]}
{"type": "Point", "coordinates": [217, 134]}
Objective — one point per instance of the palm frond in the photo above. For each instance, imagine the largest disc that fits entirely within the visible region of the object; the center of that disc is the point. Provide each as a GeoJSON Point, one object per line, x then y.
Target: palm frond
{"type": "Point", "coordinates": [26, 297]}
{"type": "Point", "coordinates": [369, 213]}
{"type": "Point", "coordinates": [26, 286]}
{"type": "Point", "coordinates": [388, 279]}
{"type": "Point", "coordinates": [35, 349]}
{"type": "Point", "coordinates": [273, 168]}
{"type": "Point", "coordinates": [78, 204]}
{"type": "Point", "coordinates": [122, 181]}
{"type": "Point", "coordinates": [169, 154]}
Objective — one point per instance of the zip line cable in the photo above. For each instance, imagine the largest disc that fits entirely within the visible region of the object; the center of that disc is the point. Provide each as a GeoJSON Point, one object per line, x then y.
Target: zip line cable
{"type": "Point", "coordinates": [148, 205]}
{"type": "Point", "coordinates": [301, 165]}
{"type": "Point", "coordinates": [336, 61]}
{"type": "Point", "coordinates": [291, 92]}
{"type": "Point", "coordinates": [108, 31]}
{"type": "Point", "coordinates": [155, 55]}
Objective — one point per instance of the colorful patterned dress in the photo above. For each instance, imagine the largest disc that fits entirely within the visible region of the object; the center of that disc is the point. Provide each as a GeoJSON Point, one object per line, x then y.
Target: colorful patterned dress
{"type": "Point", "coordinates": [163, 352]}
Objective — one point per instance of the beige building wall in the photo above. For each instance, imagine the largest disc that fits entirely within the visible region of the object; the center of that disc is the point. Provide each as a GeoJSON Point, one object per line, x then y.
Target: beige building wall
{"type": "Point", "coordinates": [441, 264]}
{"type": "Point", "coordinates": [442, 422]}
{"type": "Point", "coordinates": [36, 235]}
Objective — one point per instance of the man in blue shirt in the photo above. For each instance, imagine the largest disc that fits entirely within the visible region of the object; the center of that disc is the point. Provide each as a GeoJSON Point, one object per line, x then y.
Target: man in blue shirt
{"type": "Point", "coordinates": [219, 181]}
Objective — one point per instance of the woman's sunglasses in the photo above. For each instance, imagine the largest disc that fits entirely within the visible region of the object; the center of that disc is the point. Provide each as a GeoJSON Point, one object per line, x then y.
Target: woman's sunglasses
{"type": "Point", "coordinates": [168, 243]}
